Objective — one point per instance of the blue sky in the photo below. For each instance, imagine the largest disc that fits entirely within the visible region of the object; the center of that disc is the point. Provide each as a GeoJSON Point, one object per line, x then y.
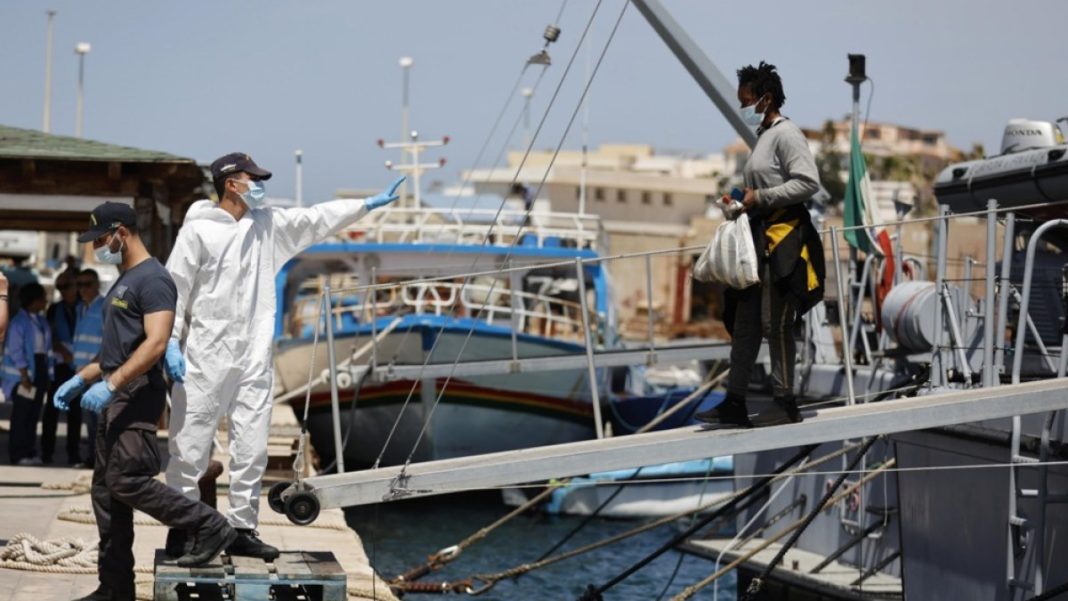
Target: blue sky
{"type": "Point", "coordinates": [200, 78]}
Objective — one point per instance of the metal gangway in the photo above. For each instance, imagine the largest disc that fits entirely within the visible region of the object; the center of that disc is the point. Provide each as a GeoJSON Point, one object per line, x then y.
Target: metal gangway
{"type": "Point", "coordinates": [682, 444]}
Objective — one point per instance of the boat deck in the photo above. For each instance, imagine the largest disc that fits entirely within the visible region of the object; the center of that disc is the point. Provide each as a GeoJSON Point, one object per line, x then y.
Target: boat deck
{"type": "Point", "coordinates": [836, 581]}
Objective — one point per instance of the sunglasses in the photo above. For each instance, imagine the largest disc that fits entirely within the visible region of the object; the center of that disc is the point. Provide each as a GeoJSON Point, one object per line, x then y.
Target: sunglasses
{"type": "Point", "coordinates": [66, 286]}
{"type": "Point", "coordinates": [86, 284]}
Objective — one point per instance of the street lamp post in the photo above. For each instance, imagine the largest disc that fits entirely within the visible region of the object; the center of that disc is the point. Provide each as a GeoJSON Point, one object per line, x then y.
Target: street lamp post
{"type": "Point", "coordinates": [300, 177]}
{"type": "Point", "coordinates": [405, 63]}
{"type": "Point", "coordinates": [46, 126]}
{"type": "Point", "coordinates": [81, 49]}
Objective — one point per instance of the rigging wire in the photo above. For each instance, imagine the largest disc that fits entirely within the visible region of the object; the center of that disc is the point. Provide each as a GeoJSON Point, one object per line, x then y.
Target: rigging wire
{"type": "Point", "coordinates": [563, 137]}
{"type": "Point", "coordinates": [486, 239]}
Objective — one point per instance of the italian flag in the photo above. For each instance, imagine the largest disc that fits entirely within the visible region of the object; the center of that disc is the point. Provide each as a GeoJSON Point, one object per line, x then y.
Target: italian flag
{"type": "Point", "coordinates": [860, 210]}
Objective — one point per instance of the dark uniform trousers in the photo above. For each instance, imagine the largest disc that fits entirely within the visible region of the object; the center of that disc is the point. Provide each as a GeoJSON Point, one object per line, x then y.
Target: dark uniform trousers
{"type": "Point", "coordinates": [127, 462]}
{"type": "Point", "coordinates": [765, 310]}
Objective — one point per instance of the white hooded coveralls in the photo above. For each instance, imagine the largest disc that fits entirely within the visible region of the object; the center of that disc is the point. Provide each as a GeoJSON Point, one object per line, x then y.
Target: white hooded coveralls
{"type": "Point", "coordinates": [225, 273]}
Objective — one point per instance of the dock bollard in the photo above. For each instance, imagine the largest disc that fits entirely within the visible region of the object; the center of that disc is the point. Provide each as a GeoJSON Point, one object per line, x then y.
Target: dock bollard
{"type": "Point", "coordinates": [207, 483]}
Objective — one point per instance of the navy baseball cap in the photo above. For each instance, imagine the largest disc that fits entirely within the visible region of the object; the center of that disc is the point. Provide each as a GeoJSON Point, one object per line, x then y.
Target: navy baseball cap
{"type": "Point", "coordinates": [107, 218]}
{"type": "Point", "coordinates": [236, 162]}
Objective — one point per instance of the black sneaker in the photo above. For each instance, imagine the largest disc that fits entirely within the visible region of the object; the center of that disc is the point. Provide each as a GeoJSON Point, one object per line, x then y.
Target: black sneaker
{"type": "Point", "coordinates": [210, 542]}
{"type": "Point", "coordinates": [102, 593]}
{"type": "Point", "coordinates": [731, 413]}
{"type": "Point", "coordinates": [789, 407]}
{"type": "Point", "coordinates": [248, 544]}
{"type": "Point", "coordinates": [178, 544]}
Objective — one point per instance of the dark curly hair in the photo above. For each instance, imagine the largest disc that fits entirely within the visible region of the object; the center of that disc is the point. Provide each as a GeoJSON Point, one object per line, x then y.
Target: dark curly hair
{"type": "Point", "coordinates": [763, 80]}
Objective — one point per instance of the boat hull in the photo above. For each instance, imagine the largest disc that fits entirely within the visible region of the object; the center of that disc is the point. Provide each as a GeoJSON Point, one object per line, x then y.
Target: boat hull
{"type": "Point", "coordinates": [478, 414]}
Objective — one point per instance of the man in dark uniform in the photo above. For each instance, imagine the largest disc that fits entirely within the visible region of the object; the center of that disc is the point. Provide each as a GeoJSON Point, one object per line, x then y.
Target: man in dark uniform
{"type": "Point", "coordinates": [129, 393]}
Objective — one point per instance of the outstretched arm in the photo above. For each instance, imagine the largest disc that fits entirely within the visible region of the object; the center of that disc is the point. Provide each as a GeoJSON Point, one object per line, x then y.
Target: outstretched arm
{"type": "Point", "coordinates": [297, 229]}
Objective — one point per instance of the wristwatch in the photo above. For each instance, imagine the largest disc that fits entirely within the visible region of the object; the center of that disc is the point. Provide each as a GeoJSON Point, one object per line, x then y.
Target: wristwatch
{"type": "Point", "coordinates": [111, 387]}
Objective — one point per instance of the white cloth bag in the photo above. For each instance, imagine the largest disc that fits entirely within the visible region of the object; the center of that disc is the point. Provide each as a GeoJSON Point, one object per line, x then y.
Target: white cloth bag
{"type": "Point", "coordinates": [730, 258]}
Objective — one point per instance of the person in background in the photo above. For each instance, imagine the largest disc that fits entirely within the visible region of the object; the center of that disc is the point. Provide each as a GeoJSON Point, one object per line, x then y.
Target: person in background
{"type": "Point", "coordinates": [87, 336]}
{"type": "Point", "coordinates": [62, 317]}
{"type": "Point", "coordinates": [3, 306]}
{"type": "Point", "coordinates": [26, 373]}
{"type": "Point", "coordinates": [19, 275]}
{"type": "Point", "coordinates": [780, 175]}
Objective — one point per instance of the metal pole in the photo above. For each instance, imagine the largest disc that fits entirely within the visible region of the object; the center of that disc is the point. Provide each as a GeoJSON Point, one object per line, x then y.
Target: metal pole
{"type": "Point", "coordinates": [417, 170]}
{"type": "Point", "coordinates": [592, 372]}
{"type": "Point", "coordinates": [516, 303]}
{"type": "Point", "coordinates": [406, 67]}
{"type": "Point", "coordinates": [649, 307]}
{"type": "Point", "coordinates": [1005, 287]}
{"type": "Point", "coordinates": [855, 124]}
{"type": "Point", "coordinates": [988, 303]}
{"type": "Point", "coordinates": [899, 264]}
{"type": "Point", "coordinates": [865, 273]}
{"type": "Point", "coordinates": [46, 125]}
{"type": "Point", "coordinates": [718, 89]}
{"type": "Point", "coordinates": [300, 177]}
{"type": "Point", "coordinates": [937, 365]}
{"type": "Point", "coordinates": [374, 319]}
{"type": "Point", "coordinates": [847, 353]}
{"type": "Point", "coordinates": [1025, 299]}
{"type": "Point", "coordinates": [81, 92]}
{"type": "Point", "coordinates": [335, 412]}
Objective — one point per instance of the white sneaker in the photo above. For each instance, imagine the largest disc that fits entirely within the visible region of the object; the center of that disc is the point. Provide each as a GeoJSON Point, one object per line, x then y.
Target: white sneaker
{"type": "Point", "coordinates": [31, 461]}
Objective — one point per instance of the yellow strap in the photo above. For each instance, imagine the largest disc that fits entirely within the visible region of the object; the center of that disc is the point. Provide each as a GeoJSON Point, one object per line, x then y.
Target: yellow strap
{"type": "Point", "coordinates": [813, 281]}
{"type": "Point", "coordinates": [777, 232]}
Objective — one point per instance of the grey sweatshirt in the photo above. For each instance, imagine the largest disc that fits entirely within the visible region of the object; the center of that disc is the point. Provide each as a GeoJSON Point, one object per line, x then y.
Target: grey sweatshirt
{"type": "Point", "coordinates": [781, 168]}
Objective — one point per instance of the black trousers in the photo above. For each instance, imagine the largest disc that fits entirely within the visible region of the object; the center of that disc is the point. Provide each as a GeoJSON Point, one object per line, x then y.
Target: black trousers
{"type": "Point", "coordinates": [22, 442]}
{"type": "Point", "coordinates": [127, 462]}
{"type": "Point", "coordinates": [764, 310]}
{"type": "Point", "coordinates": [50, 421]}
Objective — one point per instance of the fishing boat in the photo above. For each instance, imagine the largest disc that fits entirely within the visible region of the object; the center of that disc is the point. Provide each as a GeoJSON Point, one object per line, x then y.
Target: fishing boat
{"type": "Point", "coordinates": [532, 311]}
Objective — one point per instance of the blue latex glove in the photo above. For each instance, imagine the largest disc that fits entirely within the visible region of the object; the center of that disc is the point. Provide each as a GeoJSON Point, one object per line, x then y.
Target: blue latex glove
{"type": "Point", "coordinates": [174, 362]}
{"type": "Point", "coordinates": [385, 197]}
{"type": "Point", "coordinates": [67, 391]}
{"type": "Point", "coordinates": [97, 397]}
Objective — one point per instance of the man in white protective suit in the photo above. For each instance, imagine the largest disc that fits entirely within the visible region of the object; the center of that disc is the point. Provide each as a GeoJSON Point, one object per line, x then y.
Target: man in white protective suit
{"type": "Point", "coordinates": [224, 264]}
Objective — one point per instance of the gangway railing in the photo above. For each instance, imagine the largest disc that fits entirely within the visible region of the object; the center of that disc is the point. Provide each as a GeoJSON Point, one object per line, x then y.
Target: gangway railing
{"type": "Point", "coordinates": [682, 444]}
{"type": "Point", "coordinates": [429, 225]}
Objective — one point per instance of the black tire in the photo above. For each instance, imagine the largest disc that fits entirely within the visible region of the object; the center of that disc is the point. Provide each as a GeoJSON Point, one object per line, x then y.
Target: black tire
{"type": "Point", "coordinates": [274, 497]}
{"type": "Point", "coordinates": [302, 508]}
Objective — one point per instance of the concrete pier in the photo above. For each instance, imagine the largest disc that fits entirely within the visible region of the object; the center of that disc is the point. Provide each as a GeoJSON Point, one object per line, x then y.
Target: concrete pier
{"type": "Point", "coordinates": [51, 514]}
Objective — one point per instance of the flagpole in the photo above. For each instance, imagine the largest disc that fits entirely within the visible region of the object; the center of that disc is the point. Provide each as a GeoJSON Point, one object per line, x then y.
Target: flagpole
{"type": "Point", "coordinates": [855, 77]}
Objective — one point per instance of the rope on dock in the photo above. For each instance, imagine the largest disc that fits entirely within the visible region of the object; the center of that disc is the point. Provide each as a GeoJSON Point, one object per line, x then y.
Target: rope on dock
{"type": "Point", "coordinates": [26, 552]}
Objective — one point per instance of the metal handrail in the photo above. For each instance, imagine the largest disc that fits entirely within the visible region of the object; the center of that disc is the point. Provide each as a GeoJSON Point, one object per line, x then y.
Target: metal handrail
{"type": "Point", "coordinates": [413, 226]}
{"type": "Point", "coordinates": [536, 313]}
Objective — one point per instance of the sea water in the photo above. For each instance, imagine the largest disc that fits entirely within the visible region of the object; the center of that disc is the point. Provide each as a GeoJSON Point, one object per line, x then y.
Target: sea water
{"type": "Point", "coordinates": [400, 535]}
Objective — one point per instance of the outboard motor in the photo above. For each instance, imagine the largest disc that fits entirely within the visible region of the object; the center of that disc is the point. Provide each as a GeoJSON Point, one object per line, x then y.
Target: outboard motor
{"type": "Point", "coordinates": [1032, 168]}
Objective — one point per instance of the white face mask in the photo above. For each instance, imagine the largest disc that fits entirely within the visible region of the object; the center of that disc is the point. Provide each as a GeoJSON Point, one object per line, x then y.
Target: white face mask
{"type": "Point", "coordinates": [750, 115]}
{"type": "Point", "coordinates": [105, 255]}
{"type": "Point", "coordinates": [254, 195]}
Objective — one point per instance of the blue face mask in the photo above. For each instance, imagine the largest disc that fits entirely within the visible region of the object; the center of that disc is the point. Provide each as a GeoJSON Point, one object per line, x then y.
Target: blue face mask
{"type": "Point", "coordinates": [750, 115]}
{"type": "Point", "coordinates": [105, 255]}
{"type": "Point", "coordinates": [255, 194]}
